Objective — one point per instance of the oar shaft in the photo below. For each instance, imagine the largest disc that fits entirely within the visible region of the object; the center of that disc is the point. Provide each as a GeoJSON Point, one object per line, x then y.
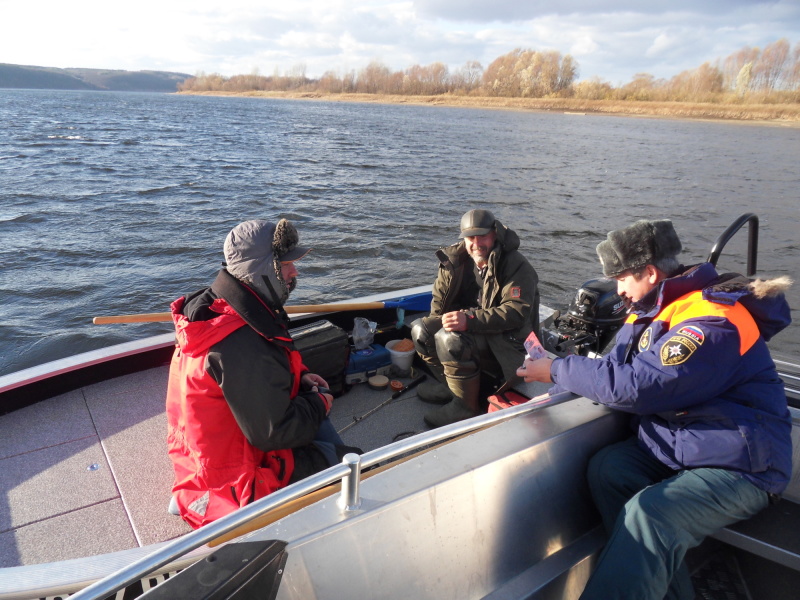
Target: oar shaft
{"type": "Point", "coordinates": [292, 310]}
{"type": "Point", "coordinates": [345, 306]}
{"type": "Point", "coordinates": [142, 318]}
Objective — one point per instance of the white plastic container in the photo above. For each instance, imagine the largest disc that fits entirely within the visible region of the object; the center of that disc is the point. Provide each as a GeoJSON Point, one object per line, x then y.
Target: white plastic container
{"type": "Point", "coordinates": [402, 360]}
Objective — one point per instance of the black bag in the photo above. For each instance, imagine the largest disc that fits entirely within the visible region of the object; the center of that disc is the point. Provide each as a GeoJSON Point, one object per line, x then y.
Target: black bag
{"type": "Point", "coordinates": [325, 350]}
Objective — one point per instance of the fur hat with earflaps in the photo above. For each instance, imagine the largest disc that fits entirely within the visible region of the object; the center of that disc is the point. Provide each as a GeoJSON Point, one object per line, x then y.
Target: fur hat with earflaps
{"type": "Point", "coordinates": [285, 249]}
{"type": "Point", "coordinates": [254, 251]}
{"type": "Point", "coordinates": [285, 242]}
{"type": "Point", "coordinates": [637, 245]}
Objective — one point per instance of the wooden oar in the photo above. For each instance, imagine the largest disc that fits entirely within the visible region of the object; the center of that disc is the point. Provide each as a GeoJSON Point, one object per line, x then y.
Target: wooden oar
{"type": "Point", "coordinates": [414, 302]}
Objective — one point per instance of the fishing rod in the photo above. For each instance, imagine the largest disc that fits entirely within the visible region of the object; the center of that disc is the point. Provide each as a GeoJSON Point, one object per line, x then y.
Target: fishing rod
{"type": "Point", "coordinates": [397, 394]}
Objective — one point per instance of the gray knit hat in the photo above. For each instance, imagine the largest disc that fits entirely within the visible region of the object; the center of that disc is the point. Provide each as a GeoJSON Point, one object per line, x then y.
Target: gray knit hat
{"type": "Point", "coordinates": [637, 245]}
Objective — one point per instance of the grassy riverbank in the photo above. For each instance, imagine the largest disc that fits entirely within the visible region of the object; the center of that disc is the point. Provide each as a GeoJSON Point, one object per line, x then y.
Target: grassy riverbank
{"type": "Point", "coordinates": [776, 114]}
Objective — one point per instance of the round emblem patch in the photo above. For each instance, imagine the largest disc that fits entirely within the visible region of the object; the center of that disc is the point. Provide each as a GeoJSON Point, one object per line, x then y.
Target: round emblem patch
{"type": "Point", "coordinates": [677, 350]}
{"type": "Point", "coordinates": [644, 341]}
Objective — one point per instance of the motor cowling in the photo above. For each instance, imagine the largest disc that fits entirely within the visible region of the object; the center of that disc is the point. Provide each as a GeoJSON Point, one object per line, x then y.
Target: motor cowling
{"type": "Point", "coordinates": [594, 316]}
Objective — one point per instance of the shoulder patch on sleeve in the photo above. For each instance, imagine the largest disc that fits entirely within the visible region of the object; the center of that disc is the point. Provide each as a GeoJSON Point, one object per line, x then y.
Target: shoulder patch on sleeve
{"type": "Point", "coordinates": [644, 341]}
{"type": "Point", "coordinates": [693, 332]}
{"type": "Point", "coordinates": [677, 350]}
{"type": "Point", "coordinates": [516, 292]}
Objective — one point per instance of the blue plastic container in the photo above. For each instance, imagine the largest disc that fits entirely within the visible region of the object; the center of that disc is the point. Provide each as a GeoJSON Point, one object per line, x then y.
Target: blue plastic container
{"type": "Point", "coordinates": [363, 364]}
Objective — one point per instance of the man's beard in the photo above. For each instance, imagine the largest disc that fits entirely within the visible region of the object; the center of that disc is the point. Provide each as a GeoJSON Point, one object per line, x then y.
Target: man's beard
{"type": "Point", "coordinates": [480, 256]}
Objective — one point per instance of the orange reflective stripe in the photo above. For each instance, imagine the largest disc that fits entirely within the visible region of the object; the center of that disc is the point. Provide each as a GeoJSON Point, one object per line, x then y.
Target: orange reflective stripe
{"type": "Point", "coordinates": [693, 306]}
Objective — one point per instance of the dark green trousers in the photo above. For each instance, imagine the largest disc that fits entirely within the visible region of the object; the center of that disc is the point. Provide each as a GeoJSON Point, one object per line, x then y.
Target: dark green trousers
{"type": "Point", "coordinates": [653, 515]}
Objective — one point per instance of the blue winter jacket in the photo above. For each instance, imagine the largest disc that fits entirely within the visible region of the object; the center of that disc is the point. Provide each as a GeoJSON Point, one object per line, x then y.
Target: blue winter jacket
{"type": "Point", "coordinates": [691, 362]}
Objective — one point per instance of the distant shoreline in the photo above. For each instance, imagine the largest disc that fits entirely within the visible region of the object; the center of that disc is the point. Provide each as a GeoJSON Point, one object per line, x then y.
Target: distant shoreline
{"type": "Point", "coordinates": [787, 115]}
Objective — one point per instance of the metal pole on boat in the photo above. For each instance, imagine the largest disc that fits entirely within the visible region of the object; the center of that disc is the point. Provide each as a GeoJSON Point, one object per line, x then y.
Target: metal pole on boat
{"type": "Point", "coordinates": [350, 499]}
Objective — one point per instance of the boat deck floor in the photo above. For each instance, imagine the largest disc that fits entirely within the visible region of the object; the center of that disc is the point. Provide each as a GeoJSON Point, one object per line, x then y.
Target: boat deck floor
{"type": "Point", "coordinates": [87, 472]}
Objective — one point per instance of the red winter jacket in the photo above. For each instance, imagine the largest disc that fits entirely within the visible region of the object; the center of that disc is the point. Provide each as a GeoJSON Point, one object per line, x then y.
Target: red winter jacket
{"type": "Point", "coordinates": [223, 459]}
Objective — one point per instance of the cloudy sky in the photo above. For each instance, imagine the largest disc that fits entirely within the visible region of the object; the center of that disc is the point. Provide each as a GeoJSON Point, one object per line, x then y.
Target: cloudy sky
{"type": "Point", "coordinates": [612, 40]}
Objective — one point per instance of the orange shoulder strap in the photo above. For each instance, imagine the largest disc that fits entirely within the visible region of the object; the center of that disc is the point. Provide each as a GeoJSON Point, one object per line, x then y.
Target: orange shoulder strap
{"type": "Point", "coordinates": [692, 306]}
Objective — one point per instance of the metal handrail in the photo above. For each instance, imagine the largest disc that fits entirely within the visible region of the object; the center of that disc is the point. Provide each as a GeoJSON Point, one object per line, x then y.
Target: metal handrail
{"type": "Point", "coordinates": [141, 568]}
{"type": "Point", "coordinates": [752, 241]}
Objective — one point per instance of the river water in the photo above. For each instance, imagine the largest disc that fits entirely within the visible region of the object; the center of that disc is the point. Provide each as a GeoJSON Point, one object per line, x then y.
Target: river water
{"type": "Point", "coordinates": [115, 203]}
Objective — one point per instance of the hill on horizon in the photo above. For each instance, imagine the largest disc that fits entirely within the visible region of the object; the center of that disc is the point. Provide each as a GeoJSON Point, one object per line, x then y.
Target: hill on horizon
{"type": "Point", "coordinates": [52, 78]}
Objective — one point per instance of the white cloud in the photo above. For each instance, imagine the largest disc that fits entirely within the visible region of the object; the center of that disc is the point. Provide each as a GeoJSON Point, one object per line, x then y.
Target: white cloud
{"type": "Point", "coordinates": [662, 44]}
{"type": "Point", "coordinates": [514, 10]}
{"type": "Point", "coordinates": [583, 45]}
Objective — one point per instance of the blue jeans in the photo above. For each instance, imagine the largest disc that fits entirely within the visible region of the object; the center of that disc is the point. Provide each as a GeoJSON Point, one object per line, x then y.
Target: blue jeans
{"type": "Point", "coordinates": [326, 441]}
{"type": "Point", "coordinates": [653, 515]}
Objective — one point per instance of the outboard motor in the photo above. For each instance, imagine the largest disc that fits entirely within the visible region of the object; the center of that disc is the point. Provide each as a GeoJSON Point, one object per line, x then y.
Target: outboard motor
{"type": "Point", "coordinates": [592, 321]}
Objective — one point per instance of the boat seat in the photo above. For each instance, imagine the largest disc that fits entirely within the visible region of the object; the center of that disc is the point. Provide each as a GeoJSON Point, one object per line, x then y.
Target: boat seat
{"type": "Point", "coordinates": [772, 533]}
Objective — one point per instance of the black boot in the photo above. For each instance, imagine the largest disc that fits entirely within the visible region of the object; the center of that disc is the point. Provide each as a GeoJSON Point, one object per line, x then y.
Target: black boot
{"type": "Point", "coordinates": [464, 405]}
{"type": "Point", "coordinates": [436, 391]}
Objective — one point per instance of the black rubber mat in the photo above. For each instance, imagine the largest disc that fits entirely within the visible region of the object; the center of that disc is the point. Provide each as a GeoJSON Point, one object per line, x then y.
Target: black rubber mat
{"type": "Point", "coordinates": [719, 578]}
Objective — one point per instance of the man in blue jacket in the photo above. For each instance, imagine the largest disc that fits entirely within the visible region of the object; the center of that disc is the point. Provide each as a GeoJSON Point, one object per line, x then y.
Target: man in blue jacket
{"type": "Point", "coordinates": [714, 433]}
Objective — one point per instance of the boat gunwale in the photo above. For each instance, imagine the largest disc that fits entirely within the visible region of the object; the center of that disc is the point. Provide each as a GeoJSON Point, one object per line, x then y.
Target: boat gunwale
{"type": "Point", "coordinates": [84, 360]}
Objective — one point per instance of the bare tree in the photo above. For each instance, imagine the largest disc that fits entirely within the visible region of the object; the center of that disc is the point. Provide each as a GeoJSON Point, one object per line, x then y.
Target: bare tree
{"type": "Point", "coordinates": [412, 80]}
{"type": "Point", "coordinates": [697, 84]}
{"type": "Point", "coordinates": [735, 62]}
{"type": "Point", "coordinates": [372, 79]}
{"type": "Point", "coordinates": [296, 77]}
{"type": "Point", "coordinates": [438, 76]}
{"type": "Point", "coordinates": [469, 76]}
{"type": "Point", "coordinates": [431, 79]}
{"type": "Point", "coordinates": [394, 84]}
{"type": "Point", "coordinates": [529, 73]}
{"type": "Point", "coordinates": [567, 73]}
{"type": "Point", "coordinates": [793, 70]}
{"type": "Point", "coordinates": [498, 78]}
{"type": "Point", "coordinates": [768, 69]}
{"type": "Point", "coordinates": [349, 82]}
{"type": "Point", "coordinates": [642, 87]}
{"type": "Point", "coordinates": [330, 83]}
{"type": "Point", "coordinates": [593, 89]}
{"type": "Point", "coordinates": [204, 83]}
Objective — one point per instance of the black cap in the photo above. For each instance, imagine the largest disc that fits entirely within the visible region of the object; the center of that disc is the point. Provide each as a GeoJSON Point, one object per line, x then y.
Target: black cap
{"type": "Point", "coordinates": [476, 222]}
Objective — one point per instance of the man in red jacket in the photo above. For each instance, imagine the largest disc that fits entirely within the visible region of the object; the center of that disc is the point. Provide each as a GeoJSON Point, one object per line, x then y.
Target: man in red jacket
{"type": "Point", "coordinates": [245, 417]}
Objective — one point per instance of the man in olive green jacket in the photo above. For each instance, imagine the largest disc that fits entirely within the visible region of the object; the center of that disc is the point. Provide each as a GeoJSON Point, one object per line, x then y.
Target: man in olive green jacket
{"type": "Point", "coordinates": [485, 303]}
